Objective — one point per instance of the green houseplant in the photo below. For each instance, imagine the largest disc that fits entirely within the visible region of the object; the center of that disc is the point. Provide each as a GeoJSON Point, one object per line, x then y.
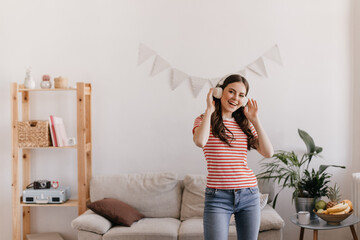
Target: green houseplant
{"type": "Point", "coordinates": [291, 171]}
{"type": "Point", "coordinates": [314, 184]}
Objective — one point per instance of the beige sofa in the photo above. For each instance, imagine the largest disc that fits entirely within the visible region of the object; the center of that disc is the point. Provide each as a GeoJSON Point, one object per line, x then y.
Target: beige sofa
{"type": "Point", "coordinates": [173, 209]}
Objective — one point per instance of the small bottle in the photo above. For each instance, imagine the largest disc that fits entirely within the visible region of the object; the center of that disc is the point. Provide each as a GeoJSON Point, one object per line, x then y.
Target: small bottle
{"type": "Point", "coordinates": [45, 83]}
{"type": "Point", "coordinates": [29, 81]}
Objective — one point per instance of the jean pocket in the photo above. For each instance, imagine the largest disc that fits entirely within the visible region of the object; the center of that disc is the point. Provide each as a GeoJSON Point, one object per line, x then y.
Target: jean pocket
{"type": "Point", "coordinates": [254, 190]}
{"type": "Point", "coordinates": [210, 191]}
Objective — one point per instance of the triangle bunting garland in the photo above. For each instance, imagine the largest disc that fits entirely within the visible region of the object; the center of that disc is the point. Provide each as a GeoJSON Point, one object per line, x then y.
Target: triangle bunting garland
{"type": "Point", "coordinates": [214, 81]}
{"type": "Point", "coordinates": [258, 67]}
{"type": "Point", "coordinates": [159, 65]}
{"type": "Point", "coordinates": [144, 53]}
{"type": "Point", "coordinates": [197, 83]}
{"type": "Point", "coordinates": [274, 54]}
{"type": "Point", "coordinates": [177, 77]}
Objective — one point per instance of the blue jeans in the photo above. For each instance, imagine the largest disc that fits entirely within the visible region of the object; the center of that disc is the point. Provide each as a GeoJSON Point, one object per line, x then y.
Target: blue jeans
{"type": "Point", "coordinates": [221, 204]}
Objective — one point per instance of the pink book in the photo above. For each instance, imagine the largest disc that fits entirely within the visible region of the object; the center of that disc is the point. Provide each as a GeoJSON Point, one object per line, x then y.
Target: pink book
{"type": "Point", "coordinates": [61, 136]}
{"type": "Point", "coordinates": [52, 131]}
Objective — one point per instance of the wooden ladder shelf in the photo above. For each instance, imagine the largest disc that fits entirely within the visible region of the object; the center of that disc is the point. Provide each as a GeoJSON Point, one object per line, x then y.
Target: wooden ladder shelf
{"type": "Point", "coordinates": [21, 211]}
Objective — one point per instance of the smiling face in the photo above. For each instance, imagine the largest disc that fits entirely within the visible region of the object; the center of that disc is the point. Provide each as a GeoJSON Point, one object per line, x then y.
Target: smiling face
{"type": "Point", "coordinates": [232, 98]}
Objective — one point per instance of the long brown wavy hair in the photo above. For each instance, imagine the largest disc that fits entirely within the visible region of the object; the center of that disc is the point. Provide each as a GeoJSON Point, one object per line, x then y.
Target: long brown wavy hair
{"type": "Point", "coordinates": [217, 124]}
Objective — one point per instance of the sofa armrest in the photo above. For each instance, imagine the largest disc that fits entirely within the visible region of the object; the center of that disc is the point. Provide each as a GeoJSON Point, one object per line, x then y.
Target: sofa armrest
{"type": "Point", "coordinates": [91, 222]}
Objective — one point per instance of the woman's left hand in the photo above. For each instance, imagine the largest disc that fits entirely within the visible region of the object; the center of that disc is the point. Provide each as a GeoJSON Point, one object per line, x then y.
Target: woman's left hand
{"type": "Point", "coordinates": [251, 110]}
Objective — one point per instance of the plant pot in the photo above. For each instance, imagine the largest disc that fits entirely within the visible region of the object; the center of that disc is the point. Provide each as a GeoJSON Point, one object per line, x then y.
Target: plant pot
{"type": "Point", "coordinates": [306, 204]}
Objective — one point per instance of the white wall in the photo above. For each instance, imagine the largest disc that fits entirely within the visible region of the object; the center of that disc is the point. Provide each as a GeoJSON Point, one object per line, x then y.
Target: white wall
{"type": "Point", "coordinates": [139, 124]}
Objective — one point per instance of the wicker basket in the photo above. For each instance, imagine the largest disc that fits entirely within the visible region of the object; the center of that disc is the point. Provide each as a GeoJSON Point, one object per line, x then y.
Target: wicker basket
{"type": "Point", "coordinates": [34, 134]}
{"type": "Point", "coordinates": [333, 219]}
{"type": "Point", "coordinates": [60, 82]}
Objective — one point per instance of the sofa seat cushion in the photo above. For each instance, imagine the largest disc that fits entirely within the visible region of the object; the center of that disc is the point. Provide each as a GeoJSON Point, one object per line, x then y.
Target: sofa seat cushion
{"type": "Point", "coordinates": [155, 195]}
{"type": "Point", "coordinates": [85, 235]}
{"type": "Point", "coordinates": [146, 229]}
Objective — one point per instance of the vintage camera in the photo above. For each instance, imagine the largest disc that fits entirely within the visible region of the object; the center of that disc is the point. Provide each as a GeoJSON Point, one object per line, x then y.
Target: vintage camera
{"type": "Point", "coordinates": [42, 184]}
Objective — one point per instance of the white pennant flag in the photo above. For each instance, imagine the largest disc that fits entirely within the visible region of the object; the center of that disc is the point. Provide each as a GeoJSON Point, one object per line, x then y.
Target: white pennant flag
{"type": "Point", "coordinates": [144, 53]}
{"type": "Point", "coordinates": [159, 65]}
{"type": "Point", "coordinates": [214, 81]}
{"type": "Point", "coordinates": [177, 77]}
{"type": "Point", "coordinates": [258, 67]}
{"type": "Point", "coordinates": [274, 54]}
{"type": "Point", "coordinates": [197, 84]}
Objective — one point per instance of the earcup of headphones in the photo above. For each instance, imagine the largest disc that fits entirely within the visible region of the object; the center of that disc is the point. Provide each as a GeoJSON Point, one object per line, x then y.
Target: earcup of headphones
{"type": "Point", "coordinates": [217, 93]}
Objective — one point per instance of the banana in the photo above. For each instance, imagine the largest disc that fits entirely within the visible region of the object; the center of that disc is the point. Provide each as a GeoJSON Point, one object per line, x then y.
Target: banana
{"type": "Point", "coordinates": [348, 209]}
{"type": "Point", "coordinates": [349, 203]}
{"type": "Point", "coordinates": [337, 213]}
{"type": "Point", "coordinates": [338, 208]}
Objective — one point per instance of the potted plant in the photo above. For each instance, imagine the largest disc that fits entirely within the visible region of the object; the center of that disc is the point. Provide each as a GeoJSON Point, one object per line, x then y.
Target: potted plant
{"type": "Point", "coordinates": [312, 187]}
{"type": "Point", "coordinates": [290, 171]}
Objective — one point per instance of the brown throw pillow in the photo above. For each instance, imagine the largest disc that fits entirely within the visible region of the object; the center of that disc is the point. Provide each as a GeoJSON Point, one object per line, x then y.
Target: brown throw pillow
{"type": "Point", "coordinates": [116, 211]}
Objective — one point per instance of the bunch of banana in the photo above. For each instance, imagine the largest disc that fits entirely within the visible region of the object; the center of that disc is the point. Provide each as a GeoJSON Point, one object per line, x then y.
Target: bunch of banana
{"type": "Point", "coordinates": [340, 208]}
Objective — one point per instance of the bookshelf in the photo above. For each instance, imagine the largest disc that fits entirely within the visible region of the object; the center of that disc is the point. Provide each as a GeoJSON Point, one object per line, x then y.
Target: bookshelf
{"type": "Point", "coordinates": [21, 211]}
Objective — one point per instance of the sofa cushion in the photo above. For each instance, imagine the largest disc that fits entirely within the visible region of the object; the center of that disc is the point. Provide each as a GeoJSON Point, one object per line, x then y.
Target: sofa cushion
{"type": "Point", "coordinates": [263, 200]}
{"type": "Point", "coordinates": [91, 222]}
{"type": "Point", "coordinates": [152, 194]}
{"type": "Point", "coordinates": [267, 186]}
{"type": "Point", "coordinates": [146, 229]}
{"type": "Point", "coordinates": [116, 211]}
{"type": "Point", "coordinates": [270, 219]}
{"type": "Point", "coordinates": [85, 235]}
{"type": "Point", "coordinates": [193, 197]}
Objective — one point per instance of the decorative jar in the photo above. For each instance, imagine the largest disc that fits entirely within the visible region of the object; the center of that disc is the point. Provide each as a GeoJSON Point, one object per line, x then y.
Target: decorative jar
{"type": "Point", "coordinates": [45, 83]}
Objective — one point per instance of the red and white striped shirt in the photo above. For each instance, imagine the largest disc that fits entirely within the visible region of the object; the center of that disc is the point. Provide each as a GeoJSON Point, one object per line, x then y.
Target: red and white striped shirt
{"type": "Point", "coordinates": [227, 166]}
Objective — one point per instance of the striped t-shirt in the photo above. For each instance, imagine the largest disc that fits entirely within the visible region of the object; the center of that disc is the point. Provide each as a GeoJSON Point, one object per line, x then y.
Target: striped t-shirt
{"type": "Point", "coordinates": [227, 166]}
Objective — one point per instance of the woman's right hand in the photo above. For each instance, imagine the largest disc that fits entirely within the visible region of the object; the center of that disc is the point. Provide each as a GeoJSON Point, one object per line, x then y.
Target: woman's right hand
{"type": "Point", "coordinates": [210, 101]}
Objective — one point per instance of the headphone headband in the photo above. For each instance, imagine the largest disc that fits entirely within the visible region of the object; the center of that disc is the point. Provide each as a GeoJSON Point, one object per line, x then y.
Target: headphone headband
{"type": "Point", "coordinates": [222, 80]}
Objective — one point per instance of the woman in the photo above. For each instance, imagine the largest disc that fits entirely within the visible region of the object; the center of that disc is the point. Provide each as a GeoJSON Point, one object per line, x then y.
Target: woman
{"type": "Point", "coordinates": [226, 131]}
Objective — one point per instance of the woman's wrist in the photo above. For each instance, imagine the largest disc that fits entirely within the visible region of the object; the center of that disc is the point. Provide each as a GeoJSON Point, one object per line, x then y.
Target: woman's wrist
{"type": "Point", "coordinates": [255, 121]}
{"type": "Point", "coordinates": [208, 112]}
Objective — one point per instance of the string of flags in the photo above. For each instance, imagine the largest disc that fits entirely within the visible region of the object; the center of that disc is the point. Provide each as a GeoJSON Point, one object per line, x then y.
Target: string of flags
{"type": "Point", "coordinates": [197, 83]}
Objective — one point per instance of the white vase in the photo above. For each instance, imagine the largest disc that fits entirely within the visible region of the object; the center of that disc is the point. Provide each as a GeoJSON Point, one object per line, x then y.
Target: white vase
{"type": "Point", "coordinates": [29, 81]}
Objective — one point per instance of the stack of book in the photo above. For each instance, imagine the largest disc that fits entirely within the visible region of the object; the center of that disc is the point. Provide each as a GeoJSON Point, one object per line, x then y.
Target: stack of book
{"type": "Point", "coordinates": [57, 131]}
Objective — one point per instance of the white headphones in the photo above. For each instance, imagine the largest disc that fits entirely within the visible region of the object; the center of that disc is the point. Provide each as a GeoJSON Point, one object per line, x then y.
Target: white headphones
{"type": "Point", "coordinates": [218, 91]}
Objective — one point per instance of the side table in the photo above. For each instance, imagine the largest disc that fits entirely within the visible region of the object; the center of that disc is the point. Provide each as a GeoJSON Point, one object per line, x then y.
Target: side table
{"type": "Point", "coordinates": [319, 224]}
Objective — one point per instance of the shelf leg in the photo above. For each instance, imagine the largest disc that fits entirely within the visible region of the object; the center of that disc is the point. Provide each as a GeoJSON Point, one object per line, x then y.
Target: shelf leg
{"type": "Point", "coordinates": [26, 222]}
{"type": "Point", "coordinates": [16, 217]}
{"type": "Point", "coordinates": [81, 140]}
